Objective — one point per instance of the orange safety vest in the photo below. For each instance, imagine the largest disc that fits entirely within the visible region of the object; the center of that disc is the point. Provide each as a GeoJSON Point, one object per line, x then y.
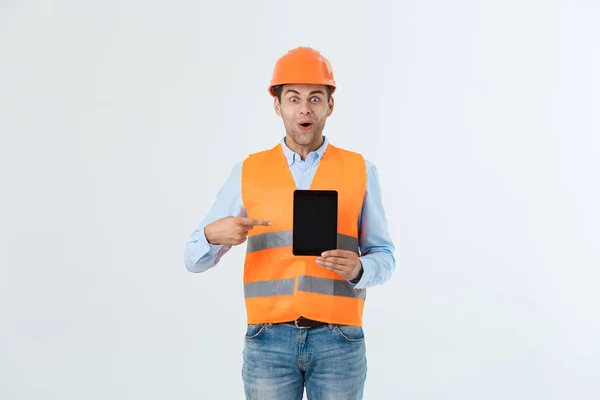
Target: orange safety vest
{"type": "Point", "coordinates": [279, 286]}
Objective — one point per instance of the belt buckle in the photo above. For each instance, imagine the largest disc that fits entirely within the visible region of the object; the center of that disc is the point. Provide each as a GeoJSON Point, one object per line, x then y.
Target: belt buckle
{"type": "Point", "coordinates": [298, 326]}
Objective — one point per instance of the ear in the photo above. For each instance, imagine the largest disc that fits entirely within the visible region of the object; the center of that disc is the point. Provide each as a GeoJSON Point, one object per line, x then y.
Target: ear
{"type": "Point", "coordinates": [331, 104]}
{"type": "Point", "coordinates": [277, 106]}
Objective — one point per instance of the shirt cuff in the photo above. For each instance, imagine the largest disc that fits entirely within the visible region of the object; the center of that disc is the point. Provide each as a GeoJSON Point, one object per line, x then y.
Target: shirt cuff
{"type": "Point", "coordinates": [205, 249]}
{"type": "Point", "coordinates": [208, 247]}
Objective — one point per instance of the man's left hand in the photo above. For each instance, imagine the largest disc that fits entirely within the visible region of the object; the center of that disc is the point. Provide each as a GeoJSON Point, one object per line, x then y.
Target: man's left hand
{"type": "Point", "coordinates": [343, 262]}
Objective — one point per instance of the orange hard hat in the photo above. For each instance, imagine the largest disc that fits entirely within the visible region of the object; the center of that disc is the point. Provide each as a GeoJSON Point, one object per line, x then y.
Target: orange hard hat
{"type": "Point", "coordinates": [302, 65]}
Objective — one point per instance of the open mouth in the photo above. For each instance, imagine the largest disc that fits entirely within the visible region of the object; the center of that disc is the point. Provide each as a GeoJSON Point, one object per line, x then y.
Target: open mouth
{"type": "Point", "coordinates": [305, 125]}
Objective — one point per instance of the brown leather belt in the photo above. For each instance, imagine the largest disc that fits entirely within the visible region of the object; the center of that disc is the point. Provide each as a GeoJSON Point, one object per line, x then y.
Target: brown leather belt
{"type": "Point", "coordinates": [305, 323]}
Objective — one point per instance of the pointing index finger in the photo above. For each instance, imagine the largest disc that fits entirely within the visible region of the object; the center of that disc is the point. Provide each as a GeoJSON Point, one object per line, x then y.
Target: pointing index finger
{"type": "Point", "coordinates": [255, 222]}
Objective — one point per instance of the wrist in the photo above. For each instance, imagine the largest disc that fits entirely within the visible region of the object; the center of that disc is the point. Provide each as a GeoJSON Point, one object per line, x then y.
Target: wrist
{"type": "Point", "coordinates": [359, 273]}
{"type": "Point", "coordinates": [208, 235]}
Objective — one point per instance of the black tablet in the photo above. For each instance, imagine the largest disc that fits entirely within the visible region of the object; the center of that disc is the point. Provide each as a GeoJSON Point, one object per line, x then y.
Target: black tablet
{"type": "Point", "coordinates": [315, 222]}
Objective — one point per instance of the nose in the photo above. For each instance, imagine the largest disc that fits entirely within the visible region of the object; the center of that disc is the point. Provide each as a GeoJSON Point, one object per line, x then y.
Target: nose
{"type": "Point", "coordinates": [305, 108]}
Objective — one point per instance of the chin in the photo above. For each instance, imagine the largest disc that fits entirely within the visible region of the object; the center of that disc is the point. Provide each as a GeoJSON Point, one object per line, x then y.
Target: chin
{"type": "Point", "coordinates": [304, 138]}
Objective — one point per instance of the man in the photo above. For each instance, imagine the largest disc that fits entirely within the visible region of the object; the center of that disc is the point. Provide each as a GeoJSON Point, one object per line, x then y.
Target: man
{"type": "Point", "coordinates": [304, 313]}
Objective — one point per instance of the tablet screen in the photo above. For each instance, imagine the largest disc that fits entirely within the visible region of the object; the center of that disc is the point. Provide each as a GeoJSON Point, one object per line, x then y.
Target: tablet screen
{"type": "Point", "coordinates": [315, 222]}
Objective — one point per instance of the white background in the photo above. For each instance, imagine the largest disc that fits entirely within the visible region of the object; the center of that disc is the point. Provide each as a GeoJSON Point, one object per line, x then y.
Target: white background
{"type": "Point", "coordinates": [120, 121]}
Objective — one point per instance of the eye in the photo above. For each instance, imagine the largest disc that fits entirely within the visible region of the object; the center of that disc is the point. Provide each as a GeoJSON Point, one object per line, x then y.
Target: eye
{"type": "Point", "coordinates": [293, 99]}
{"type": "Point", "coordinates": [315, 99]}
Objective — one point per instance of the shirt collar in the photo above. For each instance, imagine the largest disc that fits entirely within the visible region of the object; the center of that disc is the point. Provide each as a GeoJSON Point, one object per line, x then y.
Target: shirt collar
{"type": "Point", "coordinates": [292, 156]}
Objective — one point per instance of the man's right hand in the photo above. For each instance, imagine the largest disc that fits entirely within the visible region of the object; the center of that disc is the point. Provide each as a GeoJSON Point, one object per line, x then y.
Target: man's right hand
{"type": "Point", "coordinates": [231, 231]}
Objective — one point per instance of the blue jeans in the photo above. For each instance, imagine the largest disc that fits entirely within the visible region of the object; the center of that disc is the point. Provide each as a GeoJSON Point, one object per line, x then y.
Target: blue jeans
{"type": "Point", "coordinates": [280, 360]}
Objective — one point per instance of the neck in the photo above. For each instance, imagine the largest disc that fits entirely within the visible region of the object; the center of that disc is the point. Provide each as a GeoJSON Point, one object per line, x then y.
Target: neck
{"type": "Point", "coordinates": [304, 150]}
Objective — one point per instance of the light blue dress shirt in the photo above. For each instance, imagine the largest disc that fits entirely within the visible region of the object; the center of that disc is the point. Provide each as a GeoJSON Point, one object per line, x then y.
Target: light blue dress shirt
{"type": "Point", "coordinates": [376, 247]}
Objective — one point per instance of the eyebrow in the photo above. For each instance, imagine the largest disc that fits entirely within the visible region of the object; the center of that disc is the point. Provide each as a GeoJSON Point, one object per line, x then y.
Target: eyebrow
{"type": "Point", "coordinates": [311, 93]}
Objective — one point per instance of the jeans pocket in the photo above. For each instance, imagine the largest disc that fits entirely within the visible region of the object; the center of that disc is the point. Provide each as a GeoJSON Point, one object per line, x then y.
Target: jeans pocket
{"type": "Point", "coordinates": [254, 331]}
{"type": "Point", "coordinates": [351, 334]}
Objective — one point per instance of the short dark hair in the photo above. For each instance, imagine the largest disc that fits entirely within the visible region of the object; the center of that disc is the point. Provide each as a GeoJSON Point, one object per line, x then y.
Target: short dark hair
{"type": "Point", "coordinates": [279, 90]}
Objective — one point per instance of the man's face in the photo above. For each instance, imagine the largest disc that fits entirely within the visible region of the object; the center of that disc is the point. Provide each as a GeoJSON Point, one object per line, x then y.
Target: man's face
{"type": "Point", "coordinates": [304, 109]}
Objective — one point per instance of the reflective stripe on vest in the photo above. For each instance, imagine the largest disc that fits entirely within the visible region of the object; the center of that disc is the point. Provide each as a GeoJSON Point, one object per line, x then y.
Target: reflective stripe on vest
{"type": "Point", "coordinates": [283, 287]}
{"type": "Point", "coordinates": [271, 240]}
